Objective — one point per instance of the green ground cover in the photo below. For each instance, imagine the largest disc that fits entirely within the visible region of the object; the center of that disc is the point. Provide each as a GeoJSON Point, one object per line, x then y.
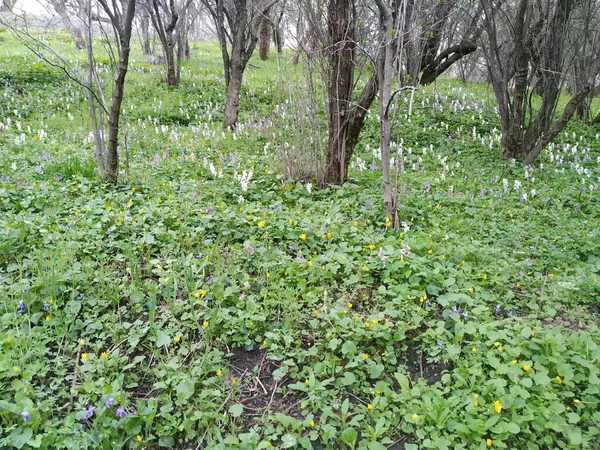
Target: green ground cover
{"type": "Point", "coordinates": [208, 302]}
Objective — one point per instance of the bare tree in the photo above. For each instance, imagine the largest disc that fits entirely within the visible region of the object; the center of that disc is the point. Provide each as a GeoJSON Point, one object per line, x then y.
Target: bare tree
{"type": "Point", "coordinates": [60, 6]}
{"type": "Point", "coordinates": [7, 5]}
{"type": "Point", "coordinates": [164, 15]}
{"type": "Point", "coordinates": [119, 14]}
{"type": "Point", "coordinates": [237, 23]}
{"type": "Point", "coordinates": [525, 49]}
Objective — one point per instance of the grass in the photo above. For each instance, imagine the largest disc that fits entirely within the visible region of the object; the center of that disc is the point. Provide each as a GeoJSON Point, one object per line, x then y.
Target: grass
{"type": "Point", "coordinates": [178, 310]}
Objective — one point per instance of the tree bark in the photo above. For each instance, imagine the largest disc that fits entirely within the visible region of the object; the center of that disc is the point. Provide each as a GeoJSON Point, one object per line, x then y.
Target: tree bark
{"type": "Point", "coordinates": [145, 30]}
{"type": "Point", "coordinates": [76, 34]}
{"type": "Point", "coordinates": [112, 166]}
{"type": "Point", "coordinates": [264, 38]}
{"type": "Point", "coordinates": [340, 87]}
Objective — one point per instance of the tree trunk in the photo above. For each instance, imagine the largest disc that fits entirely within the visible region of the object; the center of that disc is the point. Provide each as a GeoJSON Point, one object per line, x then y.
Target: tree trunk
{"type": "Point", "coordinates": [340, 87]}
{"type": "Point", "coordinates": [385, 74]}
{"type": "Point", "coordinates": [172, 78]}
{"type": "Point", "coordinates": [61, 9]}
{"type": "Point", "coordinates": [145, 30]}
{"type": "Point", "coordinates": [234, 87]}
{"type": "Point", "coordinates": [264, 38]}
{"type": "Point", "coordinates": [112, 160]}
{"type": "Point", "coordinates": [7, 5]}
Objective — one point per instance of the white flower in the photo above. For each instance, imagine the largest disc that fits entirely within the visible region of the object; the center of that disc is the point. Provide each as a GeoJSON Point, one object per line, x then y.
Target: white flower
{"type": "Point", "coordinates": [309, 187]}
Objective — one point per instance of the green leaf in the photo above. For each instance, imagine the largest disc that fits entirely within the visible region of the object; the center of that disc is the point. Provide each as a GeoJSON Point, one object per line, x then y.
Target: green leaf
{"type": "Point", "coordinates": [402, 380]}
{"type": "Point", "coordinates": [288, 441]}
{"type": "Point", "coordinates": [513, 428]}
{"type": "Point", "coordinates": [166, 441]}
{"type": "Point", "coordinates": [349, 347]}
{"type": "Point", "coordinates": [575, 436]}
{"type": "Point", "coordinates": [236, 410]}
{"type": "Point", "coordinates": [20, 436]}
{"type": "Point", "coordinates": [349, 436]}
{"type": "Point", "coordinates": [162, 339]}
{"type": "Point", "coordinates": [185, 389]}
{"type": "Point", "coordinates": [348, 379]}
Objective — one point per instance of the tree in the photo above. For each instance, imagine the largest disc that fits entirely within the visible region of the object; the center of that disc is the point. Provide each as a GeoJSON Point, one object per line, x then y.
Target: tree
{"type": "Point", "coordinates": [164, 15]}
{"type": "Point", "coordinates": [60, 6]}
{"type": "Point", "coordinates": [525, 48]}
{"type": "Point", "coordinates": [119, 14]}
{"type": "Point", "coordinates": [237, 23]}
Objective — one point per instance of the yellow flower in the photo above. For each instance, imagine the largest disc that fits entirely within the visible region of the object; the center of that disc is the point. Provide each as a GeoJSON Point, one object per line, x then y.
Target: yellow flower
{"type": "Point", "coordinates": [369, 406]}
{"type": "Point", "coordinates": [365, 268]}
{"type": "Point", "coordinates": [349, 305]}
{"type": "Point", "coordinates": [205, 324]}
{"type": "Point", "coordinates": [415, 416]}
{"type": "Point", "coordinates": [234, 381]}
{"type": "Point", "coordinates": [532, 333]}
{"type": "Point", "coordinates": [355, 222]}
{"type": "Point", "coordinates": [558, 379]}
{"type": "Point", "coordinates": [463, 261]}
{"type": "Point", "coordinates": [310, 263]}
{"type": "Point", "coordinates": [476, 395]}
{"type": "Point", "coordinates": [303, 236]}
{"type": "Point", "coordinates": [312, 423]}
{"type": "Point", "coordinates": [374, 321]}
{"type": "Point", "coordinates": [325, 293]}
{"type": "Point", "coordinates": [473, 349]}
{"type": "Point", "coordinates": [365, 355]}
{"type": "Point", "coordinates": [488, 442]}
{"type": "Point", "coordinates": [498, 406]}
{"type": "Point", "coordinates": [291, 221]}
{"type": "Point", "coordinates": [429, 252]}
{"type": "Point", "coordinates": [514, 361]}
{"type": "Point", "coordinates": [84, 356]}
{"type": "Point", "coordinates": [302, 405]}
{"type": "Point", "coordinates": [496, 344]}
{"type": "Point", "coordinates": [264, 343]}
{"type": "Point", "coordinates": [575, 401]}
{"type": "Point", "coordinates": [500, 348]}
{"type": "Point", "coordinates": [471, 290]}
{"type": "Point", "coordinates": [268, 444]}
{"type": "Point", "coordinates": [9, 339]}
{"type": "Point", "coordinates": [261, 223]}
{"type": "Point", "coordinates": [526, 367]}
{"type": "Point", "coordinates": [139, 438]}
{"type": "Point", "coordinates": [202, 293]}
{"type": "Point", "coordinates": [475, 403]}
{"type": "Point", "coordinates": [51, 302]}
{"type": "Point", "coordinates": [177, 338]}
{"type": "Point", "coordinates": [104, 355]}
{"type": "Point", "coordinates": [47, 318]}
{"type": "Point", "coordinates": [307, 382]}
{"type": "Point", "coordinates": [219, 372]}
{"type": "Point", "coordinates": [485, 276]}
{"type": "Point", "coordinates": [315, 312]}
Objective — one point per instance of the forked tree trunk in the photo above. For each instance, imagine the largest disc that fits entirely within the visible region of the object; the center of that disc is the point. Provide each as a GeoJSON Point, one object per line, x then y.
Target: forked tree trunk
{"type": "Point", "coordinates": [340, 56]}
{"type": "Point", "coordinates": [169, 49]}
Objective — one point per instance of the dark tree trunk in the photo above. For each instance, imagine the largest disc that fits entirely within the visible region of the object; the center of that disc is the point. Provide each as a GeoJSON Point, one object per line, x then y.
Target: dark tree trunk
{"type": "Point", "coordinates": [264, 38]}
{"type": "Point", "coordinates": [169, 49]}
{"type": "Point", "coordinates": [340, 56]}
{"type": "Point", "coordinates": [165, 31]}
{"type": "Point", "coordinates": [230, 116]}
{"type": "Point", "coordinates": [112, 160]}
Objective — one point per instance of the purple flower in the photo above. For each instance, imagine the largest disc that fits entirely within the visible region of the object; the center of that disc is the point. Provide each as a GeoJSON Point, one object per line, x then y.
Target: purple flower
{"type": "Point", "coordinates": [427, 303]}
{"type": "Point", "coordinates": [75, 431]}
{"type": "Point", "coordinates": [528, 261]}
{"type": "Point", "coordinates": [21, 308]}
{"type": "Point", "coordinates": [441, 345]}
{"type": "Point", "coordinates": [209, 280]}
{"type": "Point", "coordinates": [427, 186]}
{"type": "Point", "coordinates": [90, 411]}
{"type": "Point", "coordinates": [466, 316]}
{"type": "Point", "coordinates": [209, 209]}
{"type": "Point", "coordinates": [457, 309]}
{"type": "Point", "coordinates": [108, 231]}
{"type": "Point", "coordinates": [121, 412]}
{"type": "Point", "coordinates": [497, 309]}
{"type": "Point", "coordinates": [382, 256]}
{"type": "Point", "coordinates": [109, 402]}
{"type": "Point", "coordinates": [46, 306]}
{"type": "Point", "coordinates": [368, 204]}
{"type": "Point", "coordinates": [25, 289]}
{"type": "Point", "coordinates": [25, 416]}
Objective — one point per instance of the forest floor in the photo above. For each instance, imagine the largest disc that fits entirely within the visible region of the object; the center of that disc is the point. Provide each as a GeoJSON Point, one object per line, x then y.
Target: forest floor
{"type": "Point", "coordinates": [208, 301]}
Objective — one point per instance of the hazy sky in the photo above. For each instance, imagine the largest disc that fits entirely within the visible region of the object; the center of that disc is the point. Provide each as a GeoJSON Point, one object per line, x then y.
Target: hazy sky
{"type": "Point", "coordinates": [37, 7]}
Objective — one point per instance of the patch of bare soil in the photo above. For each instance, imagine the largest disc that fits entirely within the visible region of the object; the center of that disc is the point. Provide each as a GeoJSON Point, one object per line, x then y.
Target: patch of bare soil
{"type": "Point", "coordinates": [259, 391]}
